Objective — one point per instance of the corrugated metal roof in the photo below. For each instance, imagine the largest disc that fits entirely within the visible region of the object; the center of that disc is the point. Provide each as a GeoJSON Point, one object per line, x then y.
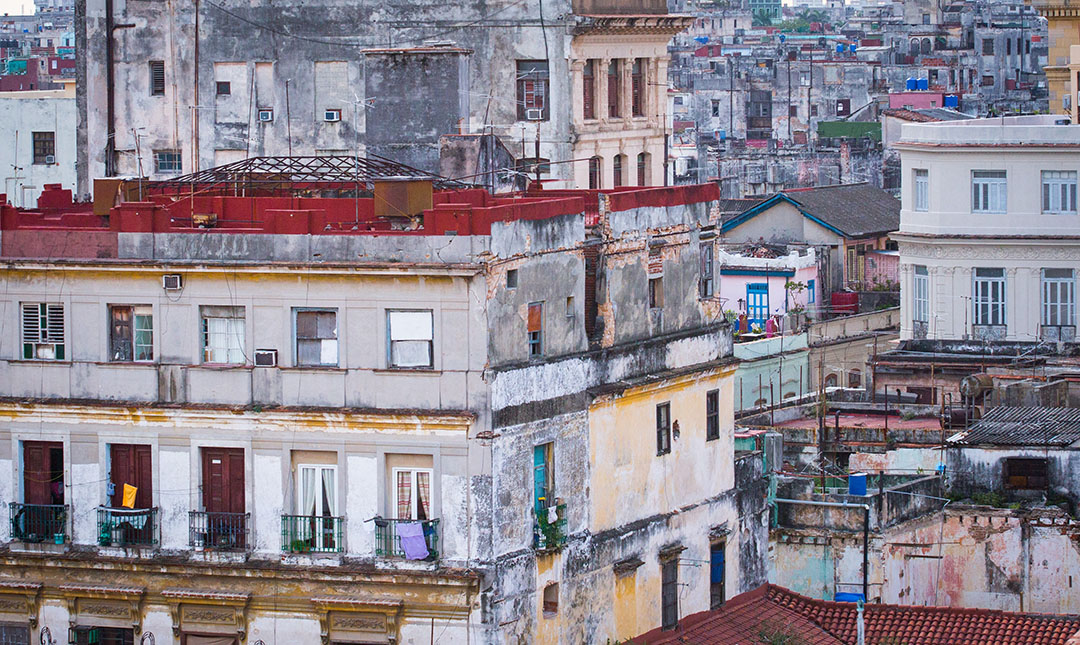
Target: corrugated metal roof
{"type": "Point", "coordinates": [1030, 426]}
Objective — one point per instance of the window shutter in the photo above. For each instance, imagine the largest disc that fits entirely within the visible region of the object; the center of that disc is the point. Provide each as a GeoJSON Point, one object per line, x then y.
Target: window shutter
{"type": "Point", "coordinates": [539, 477]}
{"type": "Point", "coordinates": [54, 332]}
{"type": "Point", "coordinates": [31, 323]}
{"type": "Point", "coordinates": [536, 317]}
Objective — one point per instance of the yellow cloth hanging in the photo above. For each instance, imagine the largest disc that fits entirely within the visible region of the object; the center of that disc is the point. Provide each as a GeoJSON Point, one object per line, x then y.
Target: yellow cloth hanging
{"type": "Point", "coordinates": [129, 496]}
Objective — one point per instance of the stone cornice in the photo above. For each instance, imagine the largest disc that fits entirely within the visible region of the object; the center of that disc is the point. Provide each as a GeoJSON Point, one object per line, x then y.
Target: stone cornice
{"type": "Point", "coordinates": [986, 248]}
{"type": "Point", "coordinates": [662, 25]}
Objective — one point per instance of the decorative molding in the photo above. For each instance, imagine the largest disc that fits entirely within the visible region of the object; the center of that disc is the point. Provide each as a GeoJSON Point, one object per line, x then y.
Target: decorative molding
{"type": "Point", "coordinates": [350, 614]}
{"type": "Point", "coordinates": [21, 598]}
{"type": "Point", "coordinates": [226, 609]}
{"type": "Point", "coordinates": [972, 250]}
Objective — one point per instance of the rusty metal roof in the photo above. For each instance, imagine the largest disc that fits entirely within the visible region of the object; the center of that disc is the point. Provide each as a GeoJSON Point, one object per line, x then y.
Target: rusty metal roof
{"type": "Point", "coordinates": [1023, 426]}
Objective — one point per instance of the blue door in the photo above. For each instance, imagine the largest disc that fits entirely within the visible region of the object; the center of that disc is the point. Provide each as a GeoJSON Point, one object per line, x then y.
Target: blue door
{"type": "Point", "coordinates": [757, 302]}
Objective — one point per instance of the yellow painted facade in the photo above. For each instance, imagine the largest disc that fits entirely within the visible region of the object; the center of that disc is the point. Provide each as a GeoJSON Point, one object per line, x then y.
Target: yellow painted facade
{"type": "Point", "coordinates": [1063, 30]}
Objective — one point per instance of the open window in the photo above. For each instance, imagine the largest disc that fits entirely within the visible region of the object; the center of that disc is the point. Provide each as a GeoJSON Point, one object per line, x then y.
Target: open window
{"type": "Point", "coordinates": [536, 329]}
{"type": "Point", "coordinates": [1025, 473]}
{"type": "Point", "coordinates": [663, 428]}
{"type": "Point", "coordinates": [131, 333]}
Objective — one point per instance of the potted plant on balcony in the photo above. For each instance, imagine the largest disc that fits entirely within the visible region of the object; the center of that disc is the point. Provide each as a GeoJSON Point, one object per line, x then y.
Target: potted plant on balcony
{"type": "Point", "coordinates": [299, 546]}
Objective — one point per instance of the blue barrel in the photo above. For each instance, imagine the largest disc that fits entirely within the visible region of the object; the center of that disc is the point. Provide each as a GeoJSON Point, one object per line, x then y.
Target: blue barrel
{"type": "Point", "coordinates": [856, 484]}
{"type": "Point", "coordinates": [853, 49]}
{"type": "Point", "coordinates": [952, 101]}
{"type": "Point", "coordinates": [924, 84]}
{"type": "Point", "coordinates": [839, 48]}
{"type": "Point", "coordinates": [912, 84]}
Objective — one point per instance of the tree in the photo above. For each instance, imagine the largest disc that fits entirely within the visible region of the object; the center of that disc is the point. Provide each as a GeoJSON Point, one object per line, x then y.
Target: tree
{"type": "Point", "coordinates": [762, 19]}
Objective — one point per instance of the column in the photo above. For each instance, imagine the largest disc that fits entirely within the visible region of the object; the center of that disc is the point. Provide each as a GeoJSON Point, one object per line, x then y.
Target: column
{"type": "Point", "coordinates": [577, 92]}
{"type": "Point", "coordinates": [907, 302]}
{"type": "Point", "coordinates": [602, 90]}
{"type": "Point", "coordinates": [626, 75]}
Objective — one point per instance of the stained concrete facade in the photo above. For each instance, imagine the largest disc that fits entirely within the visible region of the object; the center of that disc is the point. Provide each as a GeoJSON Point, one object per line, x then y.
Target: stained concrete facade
{"type": "Point", "coordinates": [29, 115]}
{"type": "Point", "coordinates": [470, 420]}
{"type": "Point", "coordinates": [387, 71]}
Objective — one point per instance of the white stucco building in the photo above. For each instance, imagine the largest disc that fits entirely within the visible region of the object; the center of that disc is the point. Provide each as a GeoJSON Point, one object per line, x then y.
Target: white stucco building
{"type": "Point", "coordinates": [989, 230]}
{"type": "Point", "coordinates": [37, 142]}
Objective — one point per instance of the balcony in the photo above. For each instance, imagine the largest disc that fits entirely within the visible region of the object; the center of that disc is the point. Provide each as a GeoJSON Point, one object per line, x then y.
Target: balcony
{"type": "Point", "coordinates": [39, 522]}
{"type": "Point", "coordinates": [312, 534]}
{"type": "Point", "coordinates": [127, 527]}
{"type": "Point", "coordinates": [388, 541]}
{"type": "Point", "coordinates": [549, 528]}
{"type": "Point", "coordinates": [222, 531]}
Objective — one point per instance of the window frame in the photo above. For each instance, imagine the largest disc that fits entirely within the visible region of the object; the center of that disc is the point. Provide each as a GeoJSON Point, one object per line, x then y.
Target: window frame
{"type": "Point", "coordinates": [706, 270]}
{"type": "Point", "coordinates": [222, 85]}
{"type": "Point", "coordinates": [535, 343]}
{"type": "Point", "coordinates": [296, 312]}
{"type": "Point", "coordinates": [204, 332]}
{"type": "Point", "coordinates": [638, 76]}
{"type": "Point", "coordinates": [921, 196]}
{"type": "Point", "coordinates": [1060, 308]}
{"type": "Point", "coordinates": [318, 468]}
{"type": "Point", "coordinates": [712, 415]}
{"type": "Point", "coordinates": [642, 169]}
{"type": "Point", "coordinates": [156, 70]}
{"type": "Point", "coordinates": [596, 167]}
{"type": "Point", "coordinates": [663, 428]}
{"type": "Point", "coordinates": [533, 85]}
{"type": "Point", "coordinates": [614, 97]}
{"type": "Point", "coordinates": [989, 318]}
{"type": "Point", "coordinates": [983, 184]}
{"type": "Point", "coordinates": [133, 340]}
{"type": "Point", "coordinates": [669, 594]}
{"type": "Point", "coordinates": [43, 147]}
{"type": "Point", "coordinates": [588, 89]}
{"type": "Point", "coordinates": [174, 165]}
{"type": "Point", "coordinates": [51, 313]}
{"type": "Point", "coordinates": [390, 340]}
{"type": "Point", "coordinates": [920, 299]}
{"type": "Point", "coordinates": [1065, 188]}
{"type": "Point", "coordinates": [547, 451]}
{"type": "Point", "coordinates": [1009, 479]}
{"type": "Point", "coordinates": [414, 500]}
{"type": "Point", "coordinates": [617, 165]}
{"type": "Point", "coordinates": [656, 292]}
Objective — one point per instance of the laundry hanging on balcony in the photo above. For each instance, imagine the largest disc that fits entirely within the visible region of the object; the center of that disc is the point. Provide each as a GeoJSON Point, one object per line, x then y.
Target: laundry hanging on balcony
{"type": "Point", "coordinates": [411, 535]}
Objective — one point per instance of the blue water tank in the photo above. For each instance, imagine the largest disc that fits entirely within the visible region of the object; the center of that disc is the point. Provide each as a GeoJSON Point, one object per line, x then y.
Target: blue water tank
{"type": "Point", "coordinates": [856, 484]}
{"type": "Point", "coordinates": [924, 83]}
{"type": "Point", "coordinates": [847, 596]}
{"type": "Point", "coordinates": [721, 135]}
{"type": "Point", "coordinates": [952, 101]}
{"type": "Point", "coordinates": [912, 84]}
{"type": "Point", "coordinates": [840, 48]}
{"type": "Point", "coordinates": [853, 49]}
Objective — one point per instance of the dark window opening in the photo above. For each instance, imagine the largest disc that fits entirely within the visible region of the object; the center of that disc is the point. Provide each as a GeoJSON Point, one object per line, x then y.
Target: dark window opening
{"type": "Point", "coordinates": [1025, 474]}
{"type": "Point", "coordinates": [637, 87]}
{"type": "Point", "coordinates": [712, 415]}
{"type": "Point", "coordinates": [656, 292]}
{"type": "Point", "coordinates": [669, 594]}
{"type": "Point", "coordinates": [663, 428]}
{"type": "Point", "coordinates": [614, 104]}
{"type": "Point", "coordinates": [512, 279]}
{"type": "Point", "coordinates": [617, 170]}
{"type": "Point", "coordinates": [551, 598]}
{"type": "Point", "coordinates": [854, 378]}
{"type": "Point", "coordinates": [103, 636]}
{"type": "Point", "coordinates": [532, 90]}
{"type": "Point", "coordinates": [131, 333]}
{"type": "Point", "coordinates": [588, 90]}
{"type": "Point", "coordinates": [594, 173]}
{"type": "Point", "coordinates": [642, 169]}
{"type": "Point", "coordinates": [224, 88]}
{"type": "Point", "coordinates": [705, 276]}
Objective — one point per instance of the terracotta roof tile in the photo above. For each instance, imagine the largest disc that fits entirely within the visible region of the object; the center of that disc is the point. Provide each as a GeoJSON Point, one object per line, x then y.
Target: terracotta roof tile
{"type": "Point", "coordinates": [820, 622]}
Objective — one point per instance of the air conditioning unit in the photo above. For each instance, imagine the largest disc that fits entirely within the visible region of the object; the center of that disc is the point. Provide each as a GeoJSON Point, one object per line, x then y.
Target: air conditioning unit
{"type": "Point", "coordinates": [172, 282]}
{"type": "Point", "coordinates": [265, 358]}
{"type": "Point", "coordinates": [534, 114]}
{"type": "Point", "coordinates": [265, 116]}
{"type": "Point", "coordinates": [332, 116]}
{"type": "Point", "coordinates": [50, 159]}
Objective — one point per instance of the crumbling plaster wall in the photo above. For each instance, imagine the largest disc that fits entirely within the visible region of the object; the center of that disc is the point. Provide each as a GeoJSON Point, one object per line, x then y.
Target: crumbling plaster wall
{"type": "Point", "coordinates": [976, 470]}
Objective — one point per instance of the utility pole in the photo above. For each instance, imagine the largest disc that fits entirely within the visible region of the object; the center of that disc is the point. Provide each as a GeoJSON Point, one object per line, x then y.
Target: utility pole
{"type": "Point", "coordinates": [288, 116]}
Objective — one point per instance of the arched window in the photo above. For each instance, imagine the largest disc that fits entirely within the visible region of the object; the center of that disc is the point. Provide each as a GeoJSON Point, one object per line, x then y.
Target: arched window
{"type": "Point", "coordinates": [926, 45]}
{"type": "Point", "coordinates": [617, 170]}
{"type": "Point", "coordinates": [830, 380]}
{"type": "Point", "coordinates": [643, 169]}
{"type": "Point", "coordinates": [854, 378]}
{"type": "Point", "coordinates": [594, 173]}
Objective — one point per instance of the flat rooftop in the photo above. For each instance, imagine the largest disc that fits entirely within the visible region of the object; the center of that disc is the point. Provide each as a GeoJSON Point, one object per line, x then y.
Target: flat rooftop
{"type": "Point", "coordinates": [850, 420]}
{"type": "Point", "coordinates": [1047, 130]}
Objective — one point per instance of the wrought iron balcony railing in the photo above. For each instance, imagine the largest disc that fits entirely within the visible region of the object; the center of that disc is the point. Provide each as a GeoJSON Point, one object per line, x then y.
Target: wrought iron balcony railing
{"type": "Point", "coordinates": [388, 541]}
{"type": "Point", "coordinates": [211, 530]}
{"type": "Point", "coordinates": [312, 534]}
{"type": "Point", "coordinates": [39, 522]}
{"type": "Point", "coordinates": [127, 526]}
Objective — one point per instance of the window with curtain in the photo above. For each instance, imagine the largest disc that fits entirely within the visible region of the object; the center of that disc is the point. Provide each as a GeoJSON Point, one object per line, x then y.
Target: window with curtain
{"type": "Point", "coordinates": [223, 335]}
{"type": "Point", "coordinates": [412, 493]}
{"type": "Point", "coordinates": [317, 498]}
{"type": "Point", "coordinates": [410, 335]}
{"type": "Point", "coordinates": [131, 333]}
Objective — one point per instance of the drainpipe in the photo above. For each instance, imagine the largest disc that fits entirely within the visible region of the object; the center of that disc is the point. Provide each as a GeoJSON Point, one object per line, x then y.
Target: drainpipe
{"type": "Point", "coordinates": [866, 532]}
{"type": "Point", "coordinates": [110, 107]}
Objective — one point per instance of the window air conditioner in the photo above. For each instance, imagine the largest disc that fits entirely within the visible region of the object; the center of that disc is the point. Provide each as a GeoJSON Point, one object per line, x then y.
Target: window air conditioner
{"type": "Point", "coordinates": [266, 116]}
{"type": "Point", "coordinates": [49, 159]}
{"type": "Point", "coordinates": [265, 358]}
{"type": "Point", "coordinates": [534, 114]}
{"type": "Point", "coordinates": [332, 116]}
{"type": "Point", "coordinates": [172, 282]}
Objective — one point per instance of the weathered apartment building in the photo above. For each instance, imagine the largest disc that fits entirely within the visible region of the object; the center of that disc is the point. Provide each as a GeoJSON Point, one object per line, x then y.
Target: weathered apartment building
{"type": "Point", "coordinates": [168, 90]}
{"type": "Point", "coordinates": [273, 412]}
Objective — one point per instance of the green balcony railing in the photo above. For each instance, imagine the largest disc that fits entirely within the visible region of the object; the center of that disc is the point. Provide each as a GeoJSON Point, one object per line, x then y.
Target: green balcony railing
{"type": "Point", "coordinates": [549, 533]}
{"type": "Point", "coordinates": [218, 531]}
{"type": "Point", "coordinates": [127, 526]}
{"type": "Point", "coordinates": [39, 522]}
{"type": "Point", "coordinates": [388, 542]}
{"type": "Point", "coordinates": [312, 534]}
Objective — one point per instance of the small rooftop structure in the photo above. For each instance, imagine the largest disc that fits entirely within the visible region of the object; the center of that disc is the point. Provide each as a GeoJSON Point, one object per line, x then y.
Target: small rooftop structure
{"type": "Point", "coordinates": [771, 609]}
{"type": "Point", "coordinates": [850, 210]}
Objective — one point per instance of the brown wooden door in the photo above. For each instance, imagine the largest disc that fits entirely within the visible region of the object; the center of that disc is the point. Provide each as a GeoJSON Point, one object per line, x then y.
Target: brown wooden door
{"type": "Point", "coordinates": [43, 472]}
{"type": "Point", "coordinates": [223, 480]}
{"type": "Point", "coordinates": [131, 464]}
